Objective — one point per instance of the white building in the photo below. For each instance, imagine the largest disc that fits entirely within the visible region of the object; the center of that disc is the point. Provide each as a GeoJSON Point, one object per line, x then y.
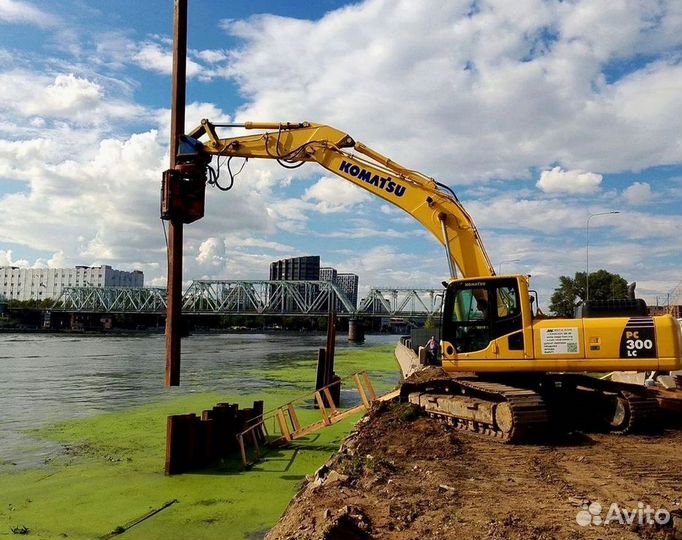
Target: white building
{"type": "Point", "coordinates": [47, 283]}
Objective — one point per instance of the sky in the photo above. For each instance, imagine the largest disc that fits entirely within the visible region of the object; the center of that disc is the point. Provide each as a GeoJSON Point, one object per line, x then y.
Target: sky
{"type": "Point", "coordinates": [536, 113]}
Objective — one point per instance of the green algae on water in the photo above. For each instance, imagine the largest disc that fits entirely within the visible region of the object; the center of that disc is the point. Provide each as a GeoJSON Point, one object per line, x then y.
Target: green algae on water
{"type": "Point", "coordinates": [110, 474]}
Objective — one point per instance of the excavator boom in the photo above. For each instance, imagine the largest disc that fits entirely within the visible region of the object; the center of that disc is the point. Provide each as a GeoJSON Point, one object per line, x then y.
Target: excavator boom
{"type": "Point", "coordinates": [420, 196]}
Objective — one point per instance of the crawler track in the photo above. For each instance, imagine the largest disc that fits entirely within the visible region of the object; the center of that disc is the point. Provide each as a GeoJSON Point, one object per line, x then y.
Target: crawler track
{"type": "Point", "coordinates": [527, 408]}
{"type": "Point", "coordinates": [518, 414]}
{"type": "Point", "coordinates": [640, 414]}
{"type": "Point", "coordinates": [621, 408]}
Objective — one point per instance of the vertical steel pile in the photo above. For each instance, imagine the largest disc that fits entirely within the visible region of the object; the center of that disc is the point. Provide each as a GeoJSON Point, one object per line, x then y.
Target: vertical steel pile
{"type": "Point", "coordinates": [194, 442]}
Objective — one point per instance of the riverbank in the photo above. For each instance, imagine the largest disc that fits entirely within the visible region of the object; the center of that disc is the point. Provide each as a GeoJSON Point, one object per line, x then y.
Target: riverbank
{"type": "Point", "coordinates": [110, 472]}
{"type": "Point", "coordinates": [403, 476]}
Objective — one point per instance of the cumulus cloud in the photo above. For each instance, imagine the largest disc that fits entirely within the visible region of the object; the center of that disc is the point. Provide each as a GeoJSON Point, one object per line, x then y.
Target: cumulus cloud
{"type": "Point", "coordinates": [557, 180]}
{"type": "Point", "coordinates": [62, 97]}
{"type": "Point", "coordinates": [331, 195]}
{"type": "Point", "coordinates": [15, 11]}
{"type": "Point", "coordinates": [211, 252]}
{"type": "Point", "coordinates": [6, 257]}
{"type": "Point", "coordinates": [57, 260]}
{"type": "Point", "coordinates": [154, 57]}
{"type": "Point", "coordinates": [65, 96]}
{"type": "Point", "coordinates": [638, 193]}
{"type": "Point", "coordinates": [213, 56]}
{"type": "Point", "coordinates": [483, 94]}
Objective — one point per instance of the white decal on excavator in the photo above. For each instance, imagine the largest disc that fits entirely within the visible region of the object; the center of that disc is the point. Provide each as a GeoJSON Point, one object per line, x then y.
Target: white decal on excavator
{"type": "Point", "coordinates": [560, 340]}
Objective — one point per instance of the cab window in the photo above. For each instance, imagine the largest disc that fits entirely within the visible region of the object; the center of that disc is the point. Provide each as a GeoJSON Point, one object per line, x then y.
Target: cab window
{"type": "Point", "coordinates": [507, 302]}
{"type": "Point", "coordinates": [475, 315]}
{"type": "Point", "coordinates": [470, 305]}
{"type": "Point", "coordinates": [470, 315]}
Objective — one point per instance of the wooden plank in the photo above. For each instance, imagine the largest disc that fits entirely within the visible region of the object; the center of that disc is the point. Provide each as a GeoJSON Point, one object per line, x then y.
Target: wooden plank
{"type": "Point", "coordinates": [171, 457]}
{"type": "Point", "coordinates": [368, 385]}
{"type": "Point", "coordinates": [330, 401]}
{"type": "Point", "coordinates": [312, 428]}
{"type": "Point", "coordinates": [323, 410]}
{"type": "Point", "coordinates": [389, 396]}
{"type": "Point", "coordinates": [293, 417]}
{"type": "Point", "coordinates": [363, 396]}
{"type": "Point", "coordinates": [283, 427]}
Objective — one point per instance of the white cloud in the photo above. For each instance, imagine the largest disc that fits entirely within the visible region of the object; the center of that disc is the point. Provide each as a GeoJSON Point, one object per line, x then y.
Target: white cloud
{"type": "Point", "coordinates": [74, 102]}
{"type": "Point", "coordinates": [211, 252]}
{"type": "Point", "coordinates": [5, 257]}
{"type": "Point", "coordinates": [333, 195]}
{"type": "Point", "coordinates": [15, 11]}
{"type": "Point", "coordinates": [57, 260]}
{"type": "Point", "coordinates": [66, 95]}
{"type": "Point", "coordinates": [524, 83]}
{"type": "Point", "coordinates": [213, 56]}
{"type": "Point", "coordinates": [638, 193]}
{"type": "Point", "coordinates": [154, 57]}
{"type": "Point", "coordinates": [241, 242]}
{"type": "Point", "coordinates": [384, 265]}
{"type": "Point", "coordinates": [557, 180]}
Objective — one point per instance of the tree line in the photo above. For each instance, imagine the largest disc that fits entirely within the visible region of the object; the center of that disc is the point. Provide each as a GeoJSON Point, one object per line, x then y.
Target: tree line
{"type": "Point", "coordinates": [572, 291]}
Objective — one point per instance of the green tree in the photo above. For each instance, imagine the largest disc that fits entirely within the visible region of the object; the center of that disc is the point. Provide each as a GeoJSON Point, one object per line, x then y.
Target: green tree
{"type": "Point", "coordinates": [572, 291]}
{"type": "Point", "coordinates": [430, 324]}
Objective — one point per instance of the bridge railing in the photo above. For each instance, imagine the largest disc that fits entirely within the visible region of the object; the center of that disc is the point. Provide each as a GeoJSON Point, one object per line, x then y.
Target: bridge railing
{"type": "Point", "coordinates": [265, 297]}
{"type": "Point", "coordinates": [394, 301]}
{"type": "Point", "coordinates": [112, 299]}
{"type": "Point", "coordinates": [255, 297]}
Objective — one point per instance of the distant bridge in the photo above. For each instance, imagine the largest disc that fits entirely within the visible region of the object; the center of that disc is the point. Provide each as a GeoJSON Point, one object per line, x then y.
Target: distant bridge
{"type": "Point", "coordinates": [260, 297]}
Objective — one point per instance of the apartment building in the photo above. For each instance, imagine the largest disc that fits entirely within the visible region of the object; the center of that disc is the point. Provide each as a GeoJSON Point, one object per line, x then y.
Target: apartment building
{"type": "Point", "coordinates": [47, 283]}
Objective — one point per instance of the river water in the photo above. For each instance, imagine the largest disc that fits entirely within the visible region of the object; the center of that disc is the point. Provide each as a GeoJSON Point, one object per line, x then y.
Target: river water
{"type": "Point", "coordinates": [48, 378]}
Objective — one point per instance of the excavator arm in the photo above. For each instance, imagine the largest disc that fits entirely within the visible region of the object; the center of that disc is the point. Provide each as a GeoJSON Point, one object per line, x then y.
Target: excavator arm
{"type": "Point", "coordinates": [494, 339]}
{"type": "Point", "coordinates": [418, 195]}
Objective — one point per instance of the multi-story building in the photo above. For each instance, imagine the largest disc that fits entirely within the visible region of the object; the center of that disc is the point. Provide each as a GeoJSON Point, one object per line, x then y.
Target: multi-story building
{"type": "Point", "coordinates": [348, 283]}
{"type": "Point", "coordinates": [296, 269]}
{"type": "Point", "coordinates": [293, 269]}
{"type": "Point", "coordinates": [308, 268]}
{"type": "Point", "coordinates": [327, 273]}
{"type": "Point", "coordinates": [47, 283]}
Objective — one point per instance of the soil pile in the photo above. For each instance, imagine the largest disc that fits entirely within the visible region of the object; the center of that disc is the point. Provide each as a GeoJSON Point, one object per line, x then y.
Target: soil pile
{"type": "Point", "coordinates": [404, 476]}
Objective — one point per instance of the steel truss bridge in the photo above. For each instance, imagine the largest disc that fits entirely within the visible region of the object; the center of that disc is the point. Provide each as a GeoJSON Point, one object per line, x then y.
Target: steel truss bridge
{"type": "Point", "coordinates": [248, 297]}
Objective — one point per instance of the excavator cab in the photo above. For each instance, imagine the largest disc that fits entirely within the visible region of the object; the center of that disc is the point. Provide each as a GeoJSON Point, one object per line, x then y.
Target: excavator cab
{"type": "Point", "coordinates": [477, 313]}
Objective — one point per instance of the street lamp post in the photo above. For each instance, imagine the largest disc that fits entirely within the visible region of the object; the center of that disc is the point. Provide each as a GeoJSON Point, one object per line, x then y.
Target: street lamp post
{"type": "Point", "coordinates": [499, 268]}
{"type": "Point", "coordinates": [587, 251]}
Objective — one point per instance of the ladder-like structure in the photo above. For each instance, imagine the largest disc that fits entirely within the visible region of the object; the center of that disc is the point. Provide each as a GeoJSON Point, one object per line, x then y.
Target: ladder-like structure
{"type": "Point", "coordinates": [290, 428]}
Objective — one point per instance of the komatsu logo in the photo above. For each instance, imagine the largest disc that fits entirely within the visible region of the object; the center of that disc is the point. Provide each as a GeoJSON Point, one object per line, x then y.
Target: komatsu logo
{"type": "Point", "coordinates": [382, 182]}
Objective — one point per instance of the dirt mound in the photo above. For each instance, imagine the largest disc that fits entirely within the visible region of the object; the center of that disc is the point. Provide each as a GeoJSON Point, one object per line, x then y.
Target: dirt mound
{"type": "Point", "coordinates": [404, 476]}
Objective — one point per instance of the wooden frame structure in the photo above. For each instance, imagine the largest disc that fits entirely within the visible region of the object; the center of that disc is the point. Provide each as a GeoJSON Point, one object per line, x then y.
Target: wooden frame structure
{"type": "Point", "coordinates": [289, 425]}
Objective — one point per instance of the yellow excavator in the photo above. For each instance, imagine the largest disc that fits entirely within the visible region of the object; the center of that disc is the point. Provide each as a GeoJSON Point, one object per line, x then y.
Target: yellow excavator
{"type": "Point", "coordinates": [507, 371]}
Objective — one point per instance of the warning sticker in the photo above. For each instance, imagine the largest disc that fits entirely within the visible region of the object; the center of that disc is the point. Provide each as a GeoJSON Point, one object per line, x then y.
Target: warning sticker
{"type": "Point", "coordinates": [559, 340]}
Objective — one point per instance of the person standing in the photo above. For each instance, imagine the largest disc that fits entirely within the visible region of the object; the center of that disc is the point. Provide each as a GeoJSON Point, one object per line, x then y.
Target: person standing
{"type": "Point", "coordinates": [432, 351]}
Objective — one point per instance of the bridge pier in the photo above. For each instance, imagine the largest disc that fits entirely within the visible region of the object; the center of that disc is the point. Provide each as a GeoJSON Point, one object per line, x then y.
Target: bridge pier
{"type": "Point", "coordinates": [356, 330]}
